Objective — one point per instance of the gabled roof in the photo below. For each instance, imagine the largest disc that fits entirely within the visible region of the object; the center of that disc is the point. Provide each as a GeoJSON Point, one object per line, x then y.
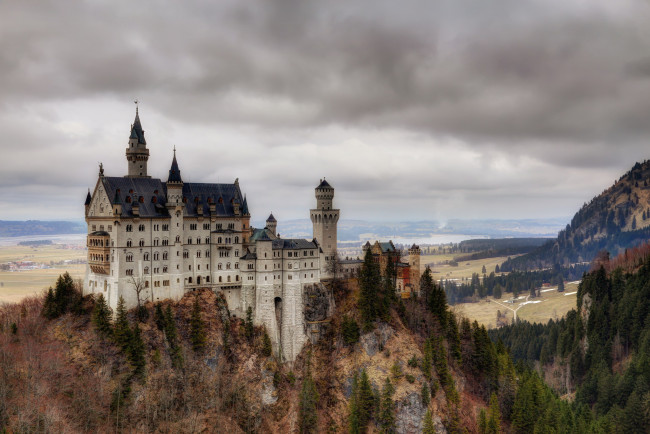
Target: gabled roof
{"type": "Point", "coordinates": [136, 129]}
{"type": "Point", "coordinates": [260, 235]}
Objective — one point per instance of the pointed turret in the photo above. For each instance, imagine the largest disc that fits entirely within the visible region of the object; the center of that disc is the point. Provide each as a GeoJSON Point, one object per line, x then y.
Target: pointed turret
{"type": "Point", "coordinates": [244, 208]}
{"type": "Point", "coordinates": [271, 224]}
{"type": "Point", "coordinates": [137, 153]}
{"type": "Point", "coordinates": [136, 129]}
{"type": "Point", "coordinates": [174, 172]}
{"type": "Point", "coordinates": [175, 186]}
{"type": "Point", "coordinates": [117, 203]}
{"type": "Point", "coordinates": [87, 204]}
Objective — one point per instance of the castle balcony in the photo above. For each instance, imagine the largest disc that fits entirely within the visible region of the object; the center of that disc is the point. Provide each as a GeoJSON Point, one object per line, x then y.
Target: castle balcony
{"type": "Point", "coordinates": [99, 255]}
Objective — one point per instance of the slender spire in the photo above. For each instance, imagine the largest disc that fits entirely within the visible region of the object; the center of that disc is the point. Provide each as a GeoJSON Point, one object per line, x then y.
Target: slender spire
{"type": "Point", "coordinates": [136, 129]}
{"type": "Point", "coordinates": [174, 171]}
{"type": "Point", "coordinates": [245, 207]}
{"type": "Point", "coordinates": [117, 199]}
{"type": "Point", "coordinates": [88, 198]}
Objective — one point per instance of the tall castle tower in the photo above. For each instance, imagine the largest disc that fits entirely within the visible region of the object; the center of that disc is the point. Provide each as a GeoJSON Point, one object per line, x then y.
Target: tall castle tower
{"type": "Point", "coordinates": [414, 266]}
{"type": "Point", "coordinates": [137, 153]}
{"type": "Point", "coordinates": [324, 219]}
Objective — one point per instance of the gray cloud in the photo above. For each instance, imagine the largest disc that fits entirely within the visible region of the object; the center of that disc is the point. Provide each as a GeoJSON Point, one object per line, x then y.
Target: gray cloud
{"type": "Point", "coordinates": [423, 104]}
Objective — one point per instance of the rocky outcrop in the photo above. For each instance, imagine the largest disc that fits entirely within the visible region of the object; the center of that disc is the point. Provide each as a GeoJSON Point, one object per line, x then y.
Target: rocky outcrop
{"type": "Point", "coordinates": [375, 341]}
{"type": "Point", "coordinates": [318, 308]}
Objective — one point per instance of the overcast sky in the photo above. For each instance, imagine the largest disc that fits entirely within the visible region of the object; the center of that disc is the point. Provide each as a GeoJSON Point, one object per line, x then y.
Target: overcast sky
{"type": "Point", "coordinates": [412, 110]}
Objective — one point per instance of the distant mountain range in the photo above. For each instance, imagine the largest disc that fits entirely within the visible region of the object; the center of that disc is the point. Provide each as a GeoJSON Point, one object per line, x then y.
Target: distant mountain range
{"type": "Point", "coordinates": [39, 227]}
{"type": "Point", "coordinates": [617, 219]}
{"type": "Point", "coordinates": [357, 230]}
{"type": "Point", "coordinates": [348, 230]}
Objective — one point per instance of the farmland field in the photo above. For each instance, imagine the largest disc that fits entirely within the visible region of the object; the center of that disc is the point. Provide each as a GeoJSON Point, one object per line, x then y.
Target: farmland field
{"type": "Point", "coordinates": [463, 270]}
{"type": "Point", "coordinates": [15, 285]}
{"type": "Point", "coordinates": [551, 305]}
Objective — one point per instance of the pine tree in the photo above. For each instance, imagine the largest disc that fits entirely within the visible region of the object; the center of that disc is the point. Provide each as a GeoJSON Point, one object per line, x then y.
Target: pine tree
{"type": "Point", "coordinates": [425, 394]}
{"type": "Point", "coordinates": [137, 352]}
{"type": "Point", "coordinates": [159, 317]}
{"type": "Point", "coordinates": [429, 428]}
{"type": "Point", "coordinates": [388, 295]}
{"type": "Point", "coordinates": [101, 317]}
{"type": "Point", "coordinates": [308, 416]}
{"type": "Point", "coordinates": [365, 400]}
{"type": "Point", "coordinates": [64, 293]}
{"type": "Point", "coordinates": [175, 351]}
{"type": "Point", "coordinates": [267, 347]}
{"type": "Point", "coordinates": [426, 284]}
{"type": "Point", "coordinates": [50, 310]}
{"type": "Point", "coordinates": [249, 330]}
{"type": "Point", "coordinates": [350, 330]}
{"type": "Point", "coordinates": [482, 422]}
{"type": "Point", "coordinates": [197, 328]}
{"type": "Point", "coordinates": [387, 408]}
{"type": "Point", "coordinates": [121, 329]}
{"type": "Point", "coordinates": [354, 422]}
{"type": "Point", "coordinates": [369, 283]}
{"type": "Point", "coordinates": [494, 416]}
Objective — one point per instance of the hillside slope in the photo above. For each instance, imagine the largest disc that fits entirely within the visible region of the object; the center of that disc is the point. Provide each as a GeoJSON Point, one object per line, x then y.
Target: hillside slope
{"type": "Point", "coordinates": [616, 219]}
{"type": "Point", "coordinates": [69, 374]}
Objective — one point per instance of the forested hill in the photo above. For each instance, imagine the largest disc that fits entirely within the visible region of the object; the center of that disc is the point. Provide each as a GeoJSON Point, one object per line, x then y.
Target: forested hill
{"type": "Point", "coordinates": [616, 219]}
{"type": "Point", "coordinates": [600, 352]}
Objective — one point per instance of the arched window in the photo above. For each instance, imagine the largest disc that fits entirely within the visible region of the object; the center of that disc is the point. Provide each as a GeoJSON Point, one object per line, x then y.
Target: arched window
{"type": "Point", "coordinates": [219, 279]}
{"type": "Point", "coordinates": [218, 266]}
{"type": "Point", "coordinates": [229, 279]}
{"type": "Point", "coordinates": [178, 238]}
{"type": "Point", "coordinates": [228, 266]}
{"type": "Point", "coordinates": [189, 280]}
{"type": "Point", "coordinates": [129, 257]}
{"type": "Point", "coordinates": [207, 279]}
{"type": "Point", "coordinates": [129, 243]}
{"type": "Point", "coordinates": [146, 270]}
{"type": "Point", "coordinates": [207, 240]}
{"type": "Point", "coordinates": [236, 240]}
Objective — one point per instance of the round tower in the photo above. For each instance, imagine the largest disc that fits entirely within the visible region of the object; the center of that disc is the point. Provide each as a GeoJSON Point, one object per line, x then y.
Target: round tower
{"type": "Point", "coordinates": [324, 220]}
{"type": "Point", "coordinates": [137, 153]}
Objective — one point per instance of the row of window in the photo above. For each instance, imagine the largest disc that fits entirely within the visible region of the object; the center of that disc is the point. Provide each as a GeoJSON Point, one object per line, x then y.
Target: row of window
{"type": "Point", "coordinates": [142, 227]}
{"type": "Point", "coordinates": [101, 228]}
{"type": "Point", "coordinates": [206, 226]}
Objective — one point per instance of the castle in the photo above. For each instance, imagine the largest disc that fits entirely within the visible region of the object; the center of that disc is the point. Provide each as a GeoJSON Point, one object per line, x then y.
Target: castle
{"type": "Point", "coordinates": [150, 239]}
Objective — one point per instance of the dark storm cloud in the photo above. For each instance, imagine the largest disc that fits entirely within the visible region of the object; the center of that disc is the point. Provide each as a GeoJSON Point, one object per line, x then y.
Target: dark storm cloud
{"type": "Point", "coordinates": [554, 85]}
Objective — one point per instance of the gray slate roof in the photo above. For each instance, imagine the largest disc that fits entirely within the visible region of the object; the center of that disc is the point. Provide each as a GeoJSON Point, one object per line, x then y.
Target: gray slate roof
{"type": "Point", "coordinates": [293, 244]}
{"type": "Point", "coordinates": [196, 195]}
